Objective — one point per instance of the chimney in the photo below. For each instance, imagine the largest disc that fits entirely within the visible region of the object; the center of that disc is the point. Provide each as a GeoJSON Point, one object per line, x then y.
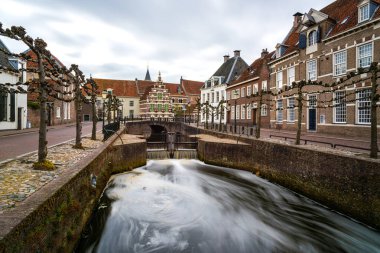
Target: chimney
{"type": "Point", "coordinates": [264, 52]}
{"type": "Point", "coordinates": [297, 19]}
{"type": "Point", "coordinates": [226, 57]}
{"type": "Point", "coordinates": [236, 53]}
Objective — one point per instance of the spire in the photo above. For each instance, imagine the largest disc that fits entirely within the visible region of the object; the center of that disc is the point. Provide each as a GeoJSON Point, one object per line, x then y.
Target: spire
{"type": "Point", "coordinates": [147, 75]}
{"type": "Point", "coordinates": [159, 76]}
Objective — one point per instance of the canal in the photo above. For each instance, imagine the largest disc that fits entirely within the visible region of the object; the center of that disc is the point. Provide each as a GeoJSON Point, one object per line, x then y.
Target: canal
{"type": "Point", "coordinates": [187, 206]}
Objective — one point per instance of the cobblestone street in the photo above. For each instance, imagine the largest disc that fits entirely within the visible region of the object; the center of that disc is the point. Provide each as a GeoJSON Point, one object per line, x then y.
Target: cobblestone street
{"type": "Point", "coordinates": [18, 180]}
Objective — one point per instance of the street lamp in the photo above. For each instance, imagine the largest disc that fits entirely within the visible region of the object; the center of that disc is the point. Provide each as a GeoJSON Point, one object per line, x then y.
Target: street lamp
{"type": "Point", "coordinates": [104, 96]}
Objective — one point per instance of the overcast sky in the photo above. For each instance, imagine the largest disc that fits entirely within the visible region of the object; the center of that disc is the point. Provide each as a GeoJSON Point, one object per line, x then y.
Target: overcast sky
{"type": "Point", "coordinates": [117, 39]}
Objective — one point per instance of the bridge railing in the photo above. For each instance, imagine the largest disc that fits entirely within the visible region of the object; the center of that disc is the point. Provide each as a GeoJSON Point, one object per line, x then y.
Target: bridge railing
{"type": "Point", "coordinates": [110, 129]}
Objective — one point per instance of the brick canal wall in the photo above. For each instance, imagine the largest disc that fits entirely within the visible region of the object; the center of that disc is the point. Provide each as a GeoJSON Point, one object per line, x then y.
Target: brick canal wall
{"type": "Point", "coordinates": [52, 219]}
{"type": "Point", "coordinates": [347, 184]}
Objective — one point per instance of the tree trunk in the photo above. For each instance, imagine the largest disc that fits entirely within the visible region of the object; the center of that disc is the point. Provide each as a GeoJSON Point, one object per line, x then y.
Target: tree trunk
{"type": "Point", "coordinates": [374, 100]}
{"type": "Point", "coordinates": [78, 108]}
{"type": "Point", "coordinates": [207, 116]}
{"type": "Point", "coordinates": [198, 112]}
{"type": "Point", "coordinates": [94, 116]}
{"type": "Point", "coordinates": [221, 109]}
{"type": "Point", "coordinates": [42, 142]}
{"type": "Point", "coordinates": [299, 123]}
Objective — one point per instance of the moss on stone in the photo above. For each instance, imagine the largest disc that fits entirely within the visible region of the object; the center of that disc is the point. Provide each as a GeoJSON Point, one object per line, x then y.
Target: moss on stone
{"type": "Point", "coordinates": [46, 165]}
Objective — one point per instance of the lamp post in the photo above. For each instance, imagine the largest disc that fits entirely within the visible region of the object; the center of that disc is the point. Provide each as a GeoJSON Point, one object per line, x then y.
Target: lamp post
{"type": "Point", "coordinates": [104, 96]}
{"type": "Point", "coordinates": [235, 96]}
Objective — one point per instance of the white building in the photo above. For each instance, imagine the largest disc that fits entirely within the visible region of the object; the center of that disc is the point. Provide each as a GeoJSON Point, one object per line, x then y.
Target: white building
{"type": "Point", "coordinates": [13, 106]}
{"type": "Point", "coordinates": [214, 89]}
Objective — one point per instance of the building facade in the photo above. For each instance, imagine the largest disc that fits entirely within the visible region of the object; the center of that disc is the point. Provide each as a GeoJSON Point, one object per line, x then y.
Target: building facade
{"type": "Point", "coordinates": [248, 102]}
{"type": "Point", "coordinates": [324, 46]}
{"type": "Point", "coordinates": [214, 89]}
{"type": "Point", "coordinates": [13, 105]}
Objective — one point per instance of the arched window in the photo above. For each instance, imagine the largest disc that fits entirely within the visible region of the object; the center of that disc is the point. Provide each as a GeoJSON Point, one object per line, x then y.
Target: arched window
{"type": "Point", "coordinates": [312, 38]}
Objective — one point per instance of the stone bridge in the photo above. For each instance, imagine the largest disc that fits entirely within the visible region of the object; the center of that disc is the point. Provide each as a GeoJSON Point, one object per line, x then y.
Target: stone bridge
{"type": "Point", "coordinates": [148, 127]}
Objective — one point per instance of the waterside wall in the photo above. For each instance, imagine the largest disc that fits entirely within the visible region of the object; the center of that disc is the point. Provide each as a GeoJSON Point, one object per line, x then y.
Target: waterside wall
{"type": "Point", "coordinates": [347, 184]}
{"type": "Point", "coordinates": [52, 219]}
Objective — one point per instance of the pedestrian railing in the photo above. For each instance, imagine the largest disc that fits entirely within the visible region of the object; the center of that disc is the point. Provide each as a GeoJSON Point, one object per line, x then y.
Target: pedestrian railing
{"type": "Point", "coordinates": [305, 140]}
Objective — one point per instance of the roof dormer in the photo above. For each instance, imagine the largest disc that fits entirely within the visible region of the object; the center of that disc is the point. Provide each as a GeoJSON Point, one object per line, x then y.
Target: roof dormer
{"type": "Point", "coordinates": [366, 9]}
{"type": "Point", "coordinates": [280, 50]}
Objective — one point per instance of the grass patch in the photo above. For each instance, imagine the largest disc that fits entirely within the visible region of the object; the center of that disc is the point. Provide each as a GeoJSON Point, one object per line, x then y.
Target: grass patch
{"type": "Point", "coordinates": [46, 165]}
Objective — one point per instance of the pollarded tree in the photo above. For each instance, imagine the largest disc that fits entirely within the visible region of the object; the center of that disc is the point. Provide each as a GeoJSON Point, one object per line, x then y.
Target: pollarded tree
{"type": "Point", "coordinates": [51, 79]}
{"type": "Point", "coordinates": [92, 90]}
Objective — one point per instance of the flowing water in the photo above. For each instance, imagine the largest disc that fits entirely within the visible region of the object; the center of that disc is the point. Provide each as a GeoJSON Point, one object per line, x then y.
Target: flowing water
{"type": "Point", "coordinates": [187, 206]}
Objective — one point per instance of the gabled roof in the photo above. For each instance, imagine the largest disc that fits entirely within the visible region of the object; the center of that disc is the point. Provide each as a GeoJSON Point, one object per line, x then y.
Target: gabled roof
{"type": "Point", "coordinates": [254, 70]}
{"type": "Point", "coordinates": [124, 88]}
{"type": "Point", "coordinates": [231, 68]}
{"type": "Point", "coordinates": [4, 59]}
{"type": "Point", "coordinates": [191, 87]}
{"type": "Point", "coordinates": [345, 13]}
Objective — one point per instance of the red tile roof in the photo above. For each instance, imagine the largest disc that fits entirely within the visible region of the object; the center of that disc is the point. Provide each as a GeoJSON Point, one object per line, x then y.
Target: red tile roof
{"type": "Point", "coordinates": [192, 87]}
{"type": "Point", "coordinates": [340, 10]}
{"type": "Point", "coordinates": [143, 85]}
{"type": "Point", "coordinates": [254, 70]}
{"type": "Point", "coordinates": [125, 88]}
{"type": "Point", "coordinates": [173, 89]}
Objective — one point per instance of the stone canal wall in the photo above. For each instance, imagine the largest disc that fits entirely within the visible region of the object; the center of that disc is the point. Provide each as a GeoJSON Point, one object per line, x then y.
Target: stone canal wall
{"type": "Point", "coordinates": [347, 184]}
{"type": "Point", "coordinates": [52, 219]}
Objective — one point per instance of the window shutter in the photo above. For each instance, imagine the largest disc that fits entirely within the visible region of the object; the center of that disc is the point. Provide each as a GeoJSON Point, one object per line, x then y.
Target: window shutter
{"type": "Point", "coordinates": [319, 34]}
{"type": "Point", "coordinates": [302, 41]}
{"type": "Point", "coordinates": [372, 8]}
{"type": "Point", "coordinates": [13, 107]}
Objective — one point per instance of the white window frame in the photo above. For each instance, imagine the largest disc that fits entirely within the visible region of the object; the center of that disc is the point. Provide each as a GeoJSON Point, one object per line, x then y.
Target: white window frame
{"type": "Point", "coordinates": [364, 112]}
{"type": "Point", "coordinates": [237, 91]}
{"type": "Point", "coordinates": [363, 12]}
{"type": "Point", "coordinates": [58, 112]}
{"type": "Point", "coordinates": [237, 111]}
{"type": "Point", "coordinates": [340, 107]}
{"type": "Point", "coordinates": [249, 90]}
{"type": "Point", "coordinates": [279, 78]}
{"type": "Point", "coordinates": [279, 110]}
{"type": "Point", "coordinates": [256, 88]}
{"type": "Point", "coordinates": [242, 92]}
{"type": "Point", "coordinates": [361, 57]}
{"type": "Point", "coordinates": [264, 85]}
{"type": "Point", "coordinates": [291, 75]}
{"type": "Point", "coordinates": [291, 115]}
{"type": "Point", "coordinates": [228, 95]}
{"type": "Point", "coordinates": [212, 97]}
{"type": "Point", "coordinates": [217, 96]}
{"type": "Point", "coordinates": [311, 72]}
{"type": "Point", "coordinates": [232, 112]}
{"type": "Point", "coordinates": [242, 112]}
{"type": "Point", "coordinates": [249, 111]}
{"type": "Point", "coordinates": [264, 110]}
{"type": "Point", "coordinates": [340, 63]}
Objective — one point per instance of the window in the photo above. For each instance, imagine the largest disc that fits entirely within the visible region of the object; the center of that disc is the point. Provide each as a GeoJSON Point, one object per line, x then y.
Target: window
{"type": "Point", "coordinates": [166, 107]}
{"type": "Point", "coordinates": [3, 106]}
{"type": "Point", "coordinates": [131, 103]}
{"type": "Point", "coordinates": [365, 55]}
{"type": "Point", "coordinates": [212, 97]}
{"type": "Point", "coordinates": [279, 111]}
{"type": "Point", "coordinates": [237, 93]}
{"type": "Point", "coordinates": [237, 111]}
{"type": "Point", "coordinates": [64, 110]}
{"type": "Point", "coordinates": [243, 92]}
{"type": "Point", "coordinates": [58, 112]}
{"type": "Point", "coordinates": [131, 113]}
{"type": "Point", "coordinates": [364, 13]}
{"type": "Point", "coordinates": [312, 38]}
{"type": "Point", "coordinates": [264, 85]}
{"type": "Point", "coordinates": [291, 113]}
{"type": "Point", "coordinates": [312, 70]}
{"type": "Point", "coordinates": [279, 80]}
{"type": "Point", "coordinates": [363, 106]}
{"type": "Point", "coordinates": [242, 111]}
{"type": "Point", "coordinates": [249, 112]}
{"type": "Point", "coordinates": [264, 110]}
{"type": "Point", "coordinates": [233, 112]}
{"type": "Point", "coordinates": [255, 88]}
{"type": "Point", "coordinates": [228, 95]}
{"type": "Point", "coordinates": [68, 110]}
{"type": "Point", "coordinates": [159, 107]}
{"type": "Point", "coordinates": [151, 108]}
{"type": "Point", "coordinates": [340, 63]}
{"type": "Point", "coordinates": [291, 75]}
{"type": "Point", "coordinates": [12, 116]}
{"type": "Point", "coordinates": [249, 90]}
{"type": "Point", "coordinates": [217, 96]}
{"type": "Point", "coordinates": [203, 98]}
{"type": "Point", "coordinates": [208, 96]}
{"type": "Point", "coordinates": [340, 111]}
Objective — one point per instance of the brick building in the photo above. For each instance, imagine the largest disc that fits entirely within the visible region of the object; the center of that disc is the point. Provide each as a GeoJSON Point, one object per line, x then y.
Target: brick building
{"type": "Point", "coordinates": [214, 89]}
{"type": "Point", "coordinates": [243, 96]}
{"type": "Point", "coordinates": [58, 111]}
{"type": "Point", "coordinates": [324, 46]}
